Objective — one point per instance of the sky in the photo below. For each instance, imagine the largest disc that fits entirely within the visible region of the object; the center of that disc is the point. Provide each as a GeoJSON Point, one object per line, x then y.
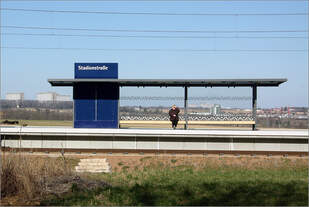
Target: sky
{"type": "Point", "coordinates": [27, 61]}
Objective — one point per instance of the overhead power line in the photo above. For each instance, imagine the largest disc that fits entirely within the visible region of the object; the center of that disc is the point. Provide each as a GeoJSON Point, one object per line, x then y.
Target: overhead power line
{"type": "Point", "coordinates": [184, 0]}
{"type": "Point", "coordinates": [159, 50]}
{"type": "Point", "coordinates": [154, 13]}
{"type": "Point", "coordinates": [157, 36]}
{"type": "Point", "coordinates": [158, 31]}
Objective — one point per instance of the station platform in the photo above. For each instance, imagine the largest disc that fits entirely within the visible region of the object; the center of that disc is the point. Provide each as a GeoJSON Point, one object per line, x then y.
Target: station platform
{"type": "Point", "coordinates": [197, 133]}
{"type": "Point", "coordinates": [154, 140]}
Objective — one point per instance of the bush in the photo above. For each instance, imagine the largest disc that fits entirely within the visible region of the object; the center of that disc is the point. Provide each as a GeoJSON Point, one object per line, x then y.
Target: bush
{"type": "Point", "coordinates": [27, 176]}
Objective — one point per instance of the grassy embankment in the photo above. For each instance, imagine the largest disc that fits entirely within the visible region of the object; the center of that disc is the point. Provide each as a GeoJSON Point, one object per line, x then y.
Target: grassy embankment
{"type": "Point", "coordinates": [171, 183]}
{"type": "Point", "coordinates": [30, 180]}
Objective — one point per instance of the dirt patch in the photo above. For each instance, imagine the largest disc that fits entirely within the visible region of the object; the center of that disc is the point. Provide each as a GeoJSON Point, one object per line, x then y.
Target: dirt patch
{"type": "Point", "coordinates": [63, 184]}
{"type": "Point", "coordinates": [130, 163]}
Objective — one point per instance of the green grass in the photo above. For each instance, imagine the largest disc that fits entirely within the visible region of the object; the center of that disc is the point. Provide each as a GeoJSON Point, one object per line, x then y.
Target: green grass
{"type": "Point", "coordinates": [44, 122]}
{"type": "Point", "coordinates": [184, 185]}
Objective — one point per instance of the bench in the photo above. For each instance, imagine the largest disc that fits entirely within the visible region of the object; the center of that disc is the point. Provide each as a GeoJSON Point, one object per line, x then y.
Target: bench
{"type": "Point", "coordinates": [182, 122]}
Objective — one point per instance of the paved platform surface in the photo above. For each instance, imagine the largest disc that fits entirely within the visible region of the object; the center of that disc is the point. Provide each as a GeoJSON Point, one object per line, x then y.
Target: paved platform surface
{"type": "Point", "coordinates": [68, 131]}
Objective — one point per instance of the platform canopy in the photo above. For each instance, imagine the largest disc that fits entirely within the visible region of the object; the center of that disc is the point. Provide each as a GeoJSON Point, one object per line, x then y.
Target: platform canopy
{"type": "Point", "coordinates": [186, 83]}
{"type": "Point", "coordinates": [174, 82]}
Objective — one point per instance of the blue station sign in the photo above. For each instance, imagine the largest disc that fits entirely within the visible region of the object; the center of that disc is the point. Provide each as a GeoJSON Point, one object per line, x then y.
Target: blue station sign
{"type": "Point", "coordinates": [96, 70]}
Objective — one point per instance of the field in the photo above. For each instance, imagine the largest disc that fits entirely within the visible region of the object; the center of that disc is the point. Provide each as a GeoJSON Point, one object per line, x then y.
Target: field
{"type": "Point", "coordinates": [44, 122]}
{"type": "Point", "coordinates": [169, 181]}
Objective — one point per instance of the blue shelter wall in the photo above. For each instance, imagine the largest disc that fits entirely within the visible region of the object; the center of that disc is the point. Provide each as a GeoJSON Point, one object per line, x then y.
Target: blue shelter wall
{"type": "Point", "coordinates": [96, 104]}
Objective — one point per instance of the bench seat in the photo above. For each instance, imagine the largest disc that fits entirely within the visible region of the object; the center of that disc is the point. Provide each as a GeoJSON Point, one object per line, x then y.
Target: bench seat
{"type": "Point", "coordinates": [151, 122]}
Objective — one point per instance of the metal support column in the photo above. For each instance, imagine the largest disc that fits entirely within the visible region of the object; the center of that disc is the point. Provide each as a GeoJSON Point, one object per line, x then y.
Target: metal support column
{"type": "Point", "coordinates": [254, 104]}
{"type": "Point", "coordinates": [186, 104]}
{"type": "Point", "coordinates": [96, 103]}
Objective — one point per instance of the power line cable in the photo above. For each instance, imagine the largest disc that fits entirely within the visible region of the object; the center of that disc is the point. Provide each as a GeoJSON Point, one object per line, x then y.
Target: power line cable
{"type": "Point", "coordinates": [160, 50]}
{"type": "Point", "coordinates": [181, 0]}
{"type": "Point", "coordinates": [160, 36]}
{"type": "Point", "coordinates": [159, 31]}
{"type": "Point", "coordinates": [154, 13]}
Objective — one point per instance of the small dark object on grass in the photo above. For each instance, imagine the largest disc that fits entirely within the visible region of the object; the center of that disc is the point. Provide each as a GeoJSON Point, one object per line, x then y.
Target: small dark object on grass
{"type": "Point", "coordinates": [63, 184]}
{"type": "Point", "coordinates": [10, 122]}
{"type": "Point", "coordinates": [173, 161]}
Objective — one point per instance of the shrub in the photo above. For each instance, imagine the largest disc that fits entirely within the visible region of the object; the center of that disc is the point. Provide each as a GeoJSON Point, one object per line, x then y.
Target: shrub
{"type": "Point", "coordinates": [27, 176]}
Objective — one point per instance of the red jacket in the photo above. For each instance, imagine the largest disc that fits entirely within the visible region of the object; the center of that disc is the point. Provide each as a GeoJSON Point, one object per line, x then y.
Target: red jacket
{"type": "Point", "coordinates": [174, 114]}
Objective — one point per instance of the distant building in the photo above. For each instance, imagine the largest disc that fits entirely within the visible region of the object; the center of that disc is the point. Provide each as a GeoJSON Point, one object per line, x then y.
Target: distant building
{"type": "Point", "coordinates": [215, 109]}
{"type": "Point", "coordinates": [52, 96]}
{"type": "Point", "coordinates": [46, 96]}
{"type": "Point", "coordinates": [15, 96]}
{"type": "Point", "coordinates": [62, 97]}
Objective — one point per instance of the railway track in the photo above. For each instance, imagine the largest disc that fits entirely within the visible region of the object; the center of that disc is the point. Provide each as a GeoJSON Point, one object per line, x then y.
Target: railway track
{"type": "Point", "coordinates": [125, 152]}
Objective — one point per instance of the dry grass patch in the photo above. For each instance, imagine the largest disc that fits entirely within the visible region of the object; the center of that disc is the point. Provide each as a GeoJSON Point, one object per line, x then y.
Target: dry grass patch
{"type": "Point", "coordinates": [137, 163]}
{"type": "Point", "coordinates": [28, 176]}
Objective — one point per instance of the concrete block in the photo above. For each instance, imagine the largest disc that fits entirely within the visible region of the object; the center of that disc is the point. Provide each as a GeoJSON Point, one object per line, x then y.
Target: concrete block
{"type": "Point", "coordinates": [76, 144]}
{"type": "Point", "coordinates": [54, 144]}
{"type": "Point", "coordinates": [171, 143]}
{"type": "Point", "coordinates": [103, 160]}
{"type": "Point", "coordinates": [294, 147]}
{"type": "Point", "coordinates": [100, 142]}
{"type": "Point", "coordinates": [193, 144]}
{"type": "Point", "coordinates": [147, 143]}
{"type": "Point", "coordinates": [243, 144]}
{"type": "Point", "coordinates": [218, 144]}
{"type": "Point", "coordinates": [93, 165]}
{"type": "Point", "coordinates": [10, 143]}
{"type": "Point", "coordinates": [124, 143]}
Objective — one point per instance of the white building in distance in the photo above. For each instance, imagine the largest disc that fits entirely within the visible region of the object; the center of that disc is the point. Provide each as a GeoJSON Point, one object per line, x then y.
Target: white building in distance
{"type": "Point", "coordinates": [52, 96]}
{"type": "Point", "coordinates": [15, 96]}
{"type": "Point", "coordinates": [46, 96]}
{"type": "Point", "coordinates": [62, 97]}
{"type": "Point", "coordinates": [216, 109]}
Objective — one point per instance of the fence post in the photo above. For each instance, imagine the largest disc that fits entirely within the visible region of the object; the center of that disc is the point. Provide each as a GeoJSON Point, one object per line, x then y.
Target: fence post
{"type": "Point", "coordinates": [254, 104]}
{"type": "Point", "coordinates": [186, 103]}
